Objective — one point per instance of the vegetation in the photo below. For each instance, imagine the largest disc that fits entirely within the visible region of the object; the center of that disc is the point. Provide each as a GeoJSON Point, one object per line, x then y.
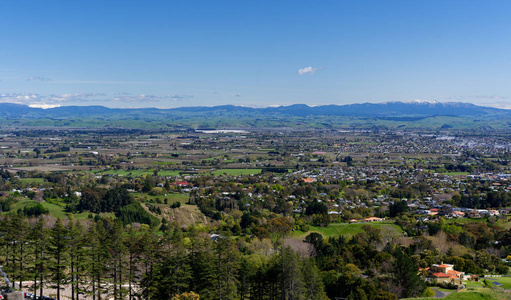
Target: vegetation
{"type": "Point", "coordinates": [313, 214]}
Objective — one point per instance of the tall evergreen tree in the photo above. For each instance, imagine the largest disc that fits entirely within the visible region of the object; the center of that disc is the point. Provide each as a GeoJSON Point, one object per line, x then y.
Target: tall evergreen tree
{"type": "Point", "coordinates": [77, 243]}
{"type": "Point", "coordinates": [133, 245]}
{"type": "Point", "coordinates": [406, 276]}
{"type": "Point", "coordinates": [39, 237]}
{"type": "Point", "coordinates": [226, 269]}
{"type": "Point", "coordinates": [58, 254]}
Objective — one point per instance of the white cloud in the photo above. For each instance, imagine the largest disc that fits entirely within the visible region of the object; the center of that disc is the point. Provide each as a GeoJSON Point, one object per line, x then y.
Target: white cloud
{"type": "Point", "coordinates": [37, 78]}
{"type": "Point", "coordinates": [178, 97]}
{"type": "Point", "coordinates": [44, 106]}
{"type": "Point", "coordinates": [47, 101]}
{"type": "Point", "coordinates": [151, 98]}
{"type": "Point", "coordinates": [54, 100]}
{"type": "Point", "coordinates": [307, 70]}
{"type": "Point", "coordinates": [19, 98]}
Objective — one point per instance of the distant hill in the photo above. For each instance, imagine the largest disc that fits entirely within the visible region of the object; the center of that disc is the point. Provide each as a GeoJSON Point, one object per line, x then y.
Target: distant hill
{"type": "Point", "coordinates": [423, 113]}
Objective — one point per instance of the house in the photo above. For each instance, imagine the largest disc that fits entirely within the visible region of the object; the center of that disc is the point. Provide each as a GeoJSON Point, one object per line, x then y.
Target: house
{"type": "Point", "coordinates": [445, 273]}
{"type": "Point", "coordinates": [373, 219]}
{"type": "Point", "coordinates": [308, 180]}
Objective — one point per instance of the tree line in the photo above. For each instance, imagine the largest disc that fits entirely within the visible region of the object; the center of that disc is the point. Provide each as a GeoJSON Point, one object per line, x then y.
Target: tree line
{"type": "Point", "coordinates": [105, 259]}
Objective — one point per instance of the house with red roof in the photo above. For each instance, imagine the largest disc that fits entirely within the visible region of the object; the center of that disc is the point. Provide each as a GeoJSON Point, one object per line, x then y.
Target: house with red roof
{"type": "Point", "coordinates": [445, 273]}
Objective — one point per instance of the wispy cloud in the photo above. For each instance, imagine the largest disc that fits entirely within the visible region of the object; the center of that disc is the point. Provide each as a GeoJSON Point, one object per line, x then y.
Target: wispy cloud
{"type": "Point", "coordinates": [307, 70]}
{"type": "Point", "coordinates": [18, 98]}
{"type": "Point", "coordinates": [37, 78]}
{"type": "Point", "coordinates": [151, 98]}
{"type": "Point", "coordinates": [102, 82]}
{"type": "Point", "coordinates": [178, 97]}
{"type": "Point", "coordinates": [478, 97]}
{"type": "Point", "coordinates": [75, 97]}
{"type": "Point", "coordinates": [47, 101]}
{"type": "Point", "coordinates": [491, 97]}
{"type": "Point", "coordinates": [53, 100]}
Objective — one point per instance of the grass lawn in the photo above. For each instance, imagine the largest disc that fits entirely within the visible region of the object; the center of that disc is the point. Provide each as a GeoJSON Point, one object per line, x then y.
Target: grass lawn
{"type": "Point", "coordinates": [183, 198]}
{"type": "Point", "coordinates": [506, 282]}
{"type": "Point", "coordinates": [169, 173]}
{"type": "Point", "coordinates": [22, 204]}
{"type": "Point", "coordinates": [474, 294]}
{"type": "Point", "coordinates": [55, 210]}
{"type": "Point", "coordinates": [474, 284]}
{"type": "Point", "coordinates": [134, 173]}
{"type": "Point", "coordinates": [345, 229]}
{"type": "Point", "coordinates": [237, 172]}
{"type": "Point", "coordinates": [455, 173]}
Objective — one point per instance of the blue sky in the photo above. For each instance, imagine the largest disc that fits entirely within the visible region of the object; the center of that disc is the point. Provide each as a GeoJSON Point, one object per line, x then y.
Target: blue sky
{"type": "Point", "coordinates": [254, 53]}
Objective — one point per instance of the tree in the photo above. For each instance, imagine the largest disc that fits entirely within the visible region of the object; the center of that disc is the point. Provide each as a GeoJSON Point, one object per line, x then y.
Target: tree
{"type": "Point", "coordinates": [292, 283]}
{"type": "Point", "coordinates": [406, 278]}
{"type": "Point", "coordinates": [313, 283]}
{"type": "Point", "coordinates": [316, 207]}
{"type": "Point", "coordinates": [117, 253]}
{"type": "Point", "coordinates": [77, 244]}
{"type": "Point", "coordinates": [58, 247]}
{"type": "Point", "coordinates": [132, 242]}
{"type": "Point", "coordinates": [226, 269]}
{"type": "Point", "coordinates": [397, 207]}
{"type": "Point", "coordinates": [186, 296]}
{"type": "Point", "coordinates": [39, 237]}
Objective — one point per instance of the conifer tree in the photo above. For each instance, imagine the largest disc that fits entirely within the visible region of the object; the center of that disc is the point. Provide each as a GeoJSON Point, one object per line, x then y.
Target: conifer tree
{"type": "Point", "coordinates": [133, 245]}
{"type": "Point", "coordinates": [39, 238]}
{"type": "Point", "coordinates": [77, 243]}
{"type": "Point", "coordinates": [58, 254]}
{"type": "Point", "coordinates": [226, 268]}
{"type": "Point", "coordinates": [406, 276]}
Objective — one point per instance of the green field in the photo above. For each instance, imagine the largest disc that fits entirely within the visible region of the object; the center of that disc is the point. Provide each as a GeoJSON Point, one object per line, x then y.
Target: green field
{"type": "Point", "coordinates": [55, 210]}
{"type": "Point", "coordinates": [346, 229]}
{"type": "Point", "coordinates": [506, 281]}
{"type": "Point", "coordinates": [169, 173]}
{"type": "Point", "coordinates": [124, 172]}
{"type": "Point", "coordinates": [171, 198]}
{"type": "Point", "coordinates": [456, 173]}
{"type": "Point", "coordinates": [236, 172]}
{"type": "Point", "coordinates": [474, 294]}
{"type": "Point", "coordinates": [136, 173]}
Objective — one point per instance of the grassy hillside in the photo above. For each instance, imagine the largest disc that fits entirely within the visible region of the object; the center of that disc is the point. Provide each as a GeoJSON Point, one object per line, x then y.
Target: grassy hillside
{"type": "Point", "coordinates": [346, 229]}
{"type": "Point", "coordinates": [475, 294]}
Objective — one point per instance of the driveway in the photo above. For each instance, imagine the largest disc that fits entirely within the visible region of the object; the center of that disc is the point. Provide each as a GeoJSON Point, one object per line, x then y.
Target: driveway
{"type": "Point", "coordinates": [440, 294]}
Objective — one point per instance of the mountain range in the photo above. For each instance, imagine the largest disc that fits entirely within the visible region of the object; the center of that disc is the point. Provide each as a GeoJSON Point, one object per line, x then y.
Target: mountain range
{"type": "Point", "coordinates": [451, 114]}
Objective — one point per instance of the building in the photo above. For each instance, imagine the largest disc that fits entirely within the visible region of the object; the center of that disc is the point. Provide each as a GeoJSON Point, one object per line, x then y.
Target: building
{"type": "Point", "coordinates": [445, 273]}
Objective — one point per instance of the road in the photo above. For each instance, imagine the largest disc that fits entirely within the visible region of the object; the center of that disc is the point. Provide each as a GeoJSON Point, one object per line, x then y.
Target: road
{"type": "Point", "coordinates": [440, 294]}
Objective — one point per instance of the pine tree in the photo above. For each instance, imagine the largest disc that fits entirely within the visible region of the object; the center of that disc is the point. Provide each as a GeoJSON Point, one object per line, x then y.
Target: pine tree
{"type": "Point", "coordinates": [201, 259]}
{"type": "Point", "coordinates": [406, 276]}
{"type": "Point", "coordinates": [39, 237]}
{"type": "Point", "coordinates": [133, 245]}
{"type": "Point", "coordinates": [77, 243]}
{"type": "Point", "coordinates": [292, 281]}
{"type": "Point", "coordinates": [226, 269]}
{"type": "Point", "coordinates": [58, 254]}
{"type": "Point", "coordinates": [117, 255]}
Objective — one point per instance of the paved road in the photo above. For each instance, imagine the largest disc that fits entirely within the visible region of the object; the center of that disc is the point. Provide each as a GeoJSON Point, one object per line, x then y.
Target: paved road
{"type": "Point", "coordinates": [440, 294]}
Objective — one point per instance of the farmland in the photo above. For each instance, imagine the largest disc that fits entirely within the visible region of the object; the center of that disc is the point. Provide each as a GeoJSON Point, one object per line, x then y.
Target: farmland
{"type": "Point", "coordinates": [360, 203]}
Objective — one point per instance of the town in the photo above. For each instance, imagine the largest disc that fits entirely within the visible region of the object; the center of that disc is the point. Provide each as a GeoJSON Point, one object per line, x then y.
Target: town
{"type": "Point", "coordinates": [436, 202]}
